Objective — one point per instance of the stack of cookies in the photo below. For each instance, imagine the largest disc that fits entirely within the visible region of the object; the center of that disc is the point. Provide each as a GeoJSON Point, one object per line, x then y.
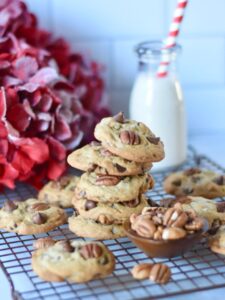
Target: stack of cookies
{"type": "Point", "coordinates": [115, 179]}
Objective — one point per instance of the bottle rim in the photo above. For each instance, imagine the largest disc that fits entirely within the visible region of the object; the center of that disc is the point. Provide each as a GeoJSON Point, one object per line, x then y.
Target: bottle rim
{"type": "Point", "coordinates": [155, 48]}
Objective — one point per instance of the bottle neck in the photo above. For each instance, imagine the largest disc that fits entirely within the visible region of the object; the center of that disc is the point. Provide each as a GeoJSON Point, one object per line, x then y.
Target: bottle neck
{"type": "Point", "coordinates": [151, 67]}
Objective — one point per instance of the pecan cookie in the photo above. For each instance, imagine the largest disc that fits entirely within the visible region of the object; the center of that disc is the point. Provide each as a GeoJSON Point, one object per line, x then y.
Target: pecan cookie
{"type": "Point", "coordinates": [100, 230]}
{"type": "Point", "coordinates": [59, 193]}
{"type": "Point", "coordinates": [119, 211]}
{"type": "Point", "coordinates": [74, 261]}
{"type": "Point", "coordinates": [94, 157]}
{"type": "Point", "coordinates": [217, 241]}
{"type": "Point", "coordinates": [195, 182]}
{"type": "Point", "coordinates": [107, 188]}
{"type": "Point", "coordinates": [213, 212]}
{"type": "Point", "coordinates": [129, 139]}
{"type": "Point", "coordinates": [30, 217]}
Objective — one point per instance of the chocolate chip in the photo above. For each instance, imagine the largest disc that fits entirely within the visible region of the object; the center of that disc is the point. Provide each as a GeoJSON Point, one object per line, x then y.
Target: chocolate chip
{"type": "Point", "coordinates": [92, 167]}
{"type": "Point", "coordinates": [119, 117]}
{"type": "Point", "coordinates": [220, 206]}
{"type": "Point", "coordinates": [9, 206]}
{"type": "Point", "coordinates": [177, 182]}
{"type": "Point", "coordinates": [66, 246]}
{"type": "Point", "coordinates": [220, 180]}
{"type": "Point", "coordinates": [89, 204]}
{"type": "Point", "coordinates": [215, 226]}
{"type": "Point", "coordinates": [187, 191]}
{"type": "Point", "coordinates": [131, 203]}
{"type": "Point", "coordinates": [153, 140]}
{"type": "Point", "coordinates": [39, 218]}
{"type": "Point", "coordinates": [64, 181]}
{"type": "Point", "coordinates": [192, 171]}
{"type": "Point", "coordinates": [120, 168]}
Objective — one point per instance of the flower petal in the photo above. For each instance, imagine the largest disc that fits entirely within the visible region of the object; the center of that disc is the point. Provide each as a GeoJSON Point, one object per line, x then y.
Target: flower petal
{"type": "Point", "coordinates": [55, 169]}
{"type": "Point", "coordinates": [44, 76]}
{"type": "Point", "coordinates": [57, 149]}
{"type": "Point", "coordinates": [35, 148]}
{"type": "Point", "coordinates": [24, 67]}
{"type": "Point", "coordinates": [18, 117]}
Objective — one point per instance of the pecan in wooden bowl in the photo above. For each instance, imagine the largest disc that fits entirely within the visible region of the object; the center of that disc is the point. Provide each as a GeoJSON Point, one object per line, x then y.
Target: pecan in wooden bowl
{"type": "Point", "coordinates": [165, 232]}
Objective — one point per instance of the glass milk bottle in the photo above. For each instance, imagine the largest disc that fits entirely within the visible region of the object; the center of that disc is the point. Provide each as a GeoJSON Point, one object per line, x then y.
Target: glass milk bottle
{"type": "Point", "coordinates": [158, 101]}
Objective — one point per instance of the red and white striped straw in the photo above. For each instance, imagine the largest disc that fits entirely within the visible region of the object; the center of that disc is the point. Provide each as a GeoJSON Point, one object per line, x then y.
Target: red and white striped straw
{"type": "Point", "coordinates": [172, 36]}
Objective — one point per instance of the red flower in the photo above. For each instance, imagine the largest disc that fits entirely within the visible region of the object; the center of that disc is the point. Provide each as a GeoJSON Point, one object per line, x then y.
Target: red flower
{"type": "Point", "coordinates": [50, 99]}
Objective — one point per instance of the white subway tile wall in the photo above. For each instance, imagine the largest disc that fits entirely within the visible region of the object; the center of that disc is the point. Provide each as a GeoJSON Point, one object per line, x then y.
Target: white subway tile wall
{"type": "Point", "coordinates": [108, 30]}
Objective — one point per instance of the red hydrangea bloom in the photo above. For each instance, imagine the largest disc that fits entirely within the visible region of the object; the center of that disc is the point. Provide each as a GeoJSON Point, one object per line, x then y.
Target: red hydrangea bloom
{"type": "Point", "coordinates": [50, 99]}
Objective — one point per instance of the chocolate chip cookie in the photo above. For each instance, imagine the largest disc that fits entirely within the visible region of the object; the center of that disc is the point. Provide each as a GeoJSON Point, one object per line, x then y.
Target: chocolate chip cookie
{"type": "Point", "coordinates": [107, 188]}
{"type": "Point", "coordinates": [205, 208]}
{"type": "Point", "coordinates": [59, 193]}
{"type": "Point", "coordinates": [196, 182]}
{"type": "Point", "coordinates": [73, 261]}
{"type": "Point", "coordinates": [94, 157]}
{"type": "Point", "coordinates": [129, 139]}
{"type": "Point", "coordinates": [119, 211]}
{"type": "Point", "coordinates": [30, 217]}
{"type": "Point", "coordinates": [103, 229]}
{"type": "Point", "coordinates": [217, 241]}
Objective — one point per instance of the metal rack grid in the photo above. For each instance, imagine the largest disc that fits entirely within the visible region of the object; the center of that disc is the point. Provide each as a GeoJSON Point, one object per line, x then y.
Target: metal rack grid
{"type": "Point", "coordinates": [196, 270]}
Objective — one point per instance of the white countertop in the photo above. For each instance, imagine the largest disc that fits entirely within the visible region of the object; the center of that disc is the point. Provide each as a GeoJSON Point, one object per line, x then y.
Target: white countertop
{"type": "Point", "coordinates": [212, 145]}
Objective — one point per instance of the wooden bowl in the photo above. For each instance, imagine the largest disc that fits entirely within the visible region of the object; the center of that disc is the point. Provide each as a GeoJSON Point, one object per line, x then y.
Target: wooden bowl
{"type": "Point", "coordinates": [162, 248]}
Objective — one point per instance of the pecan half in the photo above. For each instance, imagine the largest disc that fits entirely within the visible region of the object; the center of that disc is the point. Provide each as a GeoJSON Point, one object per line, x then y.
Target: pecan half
{"type": "Point", "coordinates": [173, 233]}
{"type": "Point", "coordinates": [144, 227]}
{"type": "Point", "coordinates": [9, 206]}
{"type": "Point", "coordinates": [153, 140]}
{"type": "Point", "coordinates": [90, 251]}
{"type": "Point", "coordinates": [89, 204]}
{"type": "Point", "coordinates": [129, 137]}
{"type": "Point", "coordinates": [43, 243]}
{"type": "Point", "coordinates": [160, 273]}
{"type": "Point", "coordinates": [39, 218]}
{"type": "Point", "coordinates": [66, 246]}
{"type": "Point", "coordinates": [105, 220]}
{"type": "Point", "coordinates": [141, 271]}
{"type": "Point", "coordinates": [175, 218]}
{"type": "Point", "coordinates": [120, 118]}
{"type": "Point", "coordinates": [107, 180]}
{"type": "Point", "coordinates": [192, 171]}
{"type": "Point", "coordinates": [158, 233]}
{"type": "Point", "coordinates": [194, 224]}
{"type": "Point", "coordinates": [38, 207]}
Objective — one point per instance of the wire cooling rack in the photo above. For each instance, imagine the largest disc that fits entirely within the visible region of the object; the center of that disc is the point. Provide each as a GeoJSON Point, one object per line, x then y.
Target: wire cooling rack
{"type": "Point", "coordinates": [196, 270]}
